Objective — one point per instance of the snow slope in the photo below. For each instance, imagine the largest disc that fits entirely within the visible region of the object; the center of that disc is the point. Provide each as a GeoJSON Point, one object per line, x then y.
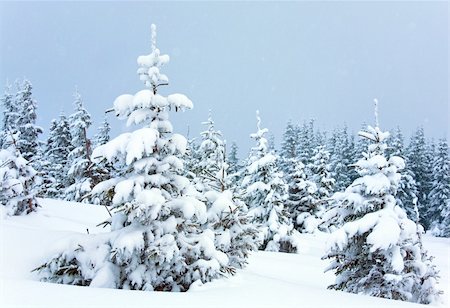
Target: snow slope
{"type": "Point", "coordinates": [270, 280]}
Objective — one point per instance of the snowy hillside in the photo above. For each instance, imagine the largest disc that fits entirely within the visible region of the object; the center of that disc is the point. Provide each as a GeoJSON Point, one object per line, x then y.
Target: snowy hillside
{"type": "Point", "coordinates": [270, 280]}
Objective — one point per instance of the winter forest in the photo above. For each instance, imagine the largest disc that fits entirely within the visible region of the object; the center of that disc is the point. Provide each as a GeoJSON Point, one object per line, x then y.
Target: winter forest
{"type": "Point", "coordinates": [186, 213]}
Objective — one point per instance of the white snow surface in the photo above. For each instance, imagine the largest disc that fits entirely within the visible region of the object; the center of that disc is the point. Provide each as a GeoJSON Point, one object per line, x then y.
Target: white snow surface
{"type": "Point", "coordinates": [270, 280]}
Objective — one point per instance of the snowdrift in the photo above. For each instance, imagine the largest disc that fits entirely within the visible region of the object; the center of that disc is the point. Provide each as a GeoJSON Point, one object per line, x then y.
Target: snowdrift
{"type": "Point", "coordinates": [270, 280]}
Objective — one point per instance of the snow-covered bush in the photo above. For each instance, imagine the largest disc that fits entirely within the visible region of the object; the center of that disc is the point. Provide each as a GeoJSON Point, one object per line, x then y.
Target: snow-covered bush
{"type": "Point", "coordinates": [157, 239]}
{"type": "Point", "coordinates": [377, 250]}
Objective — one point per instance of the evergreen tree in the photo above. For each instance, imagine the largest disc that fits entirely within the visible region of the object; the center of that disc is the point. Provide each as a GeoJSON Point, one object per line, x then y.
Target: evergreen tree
{"type": "Point", "coordinates": [289, 147]}
{"type": "Point", "coordinates": [419, 164]}
{"type": "Point", "coordinates": [157, 240]}
{"type": "Point", "coordinates": [320, 168]}
{"type": "Point", "coordinates": [192, 158]}
{"type": "Point", "coordinates": [341, 157]}
{"type": "Point", "coordinates": [377, 251]}
{"type": "Point", "coordinates": [55, 163]}
{"type": "Point", "coordinates": [100, 171]}
{"type": "Point", "coordinates": [234, 168]}
{"type": "Point", "coordinates": [27, 141]}
{"type": "Point", "coordinates": [302, 203]}
{"type": "Point", "coordinates": [17, 181]}
{"type": "Point", "coordinates": [271, 143]}
{"type": "Point", "coordinates": [265, 193]}
{"type": "Point", "coordinates": [232, 159]}
{"type": "Point", "coordinates": [306, 142]}
{"type": "Point", "coordinates": [212, 164]}
{"type": "Point", "coordinates": [439, 197]}
{"type": "Point", "coordinates": [407, 190]}
{"type": "Point", "coordinates": [79, 173]}
{"type": "Point", "coordinates": [9, 119]}
{"type": "Point", "coordinates": [227, 214]}
{"type": "Point", "coordinates": [102, 136]}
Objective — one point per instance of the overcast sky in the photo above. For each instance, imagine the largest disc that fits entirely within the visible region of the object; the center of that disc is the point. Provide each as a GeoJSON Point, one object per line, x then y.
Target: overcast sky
{"type": "Point", "coordinates": [296, 60]}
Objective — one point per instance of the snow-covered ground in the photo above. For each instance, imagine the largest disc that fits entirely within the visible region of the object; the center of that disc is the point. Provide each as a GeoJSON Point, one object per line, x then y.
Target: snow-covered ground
{"type": "Point", "coordinates": [270, 280]}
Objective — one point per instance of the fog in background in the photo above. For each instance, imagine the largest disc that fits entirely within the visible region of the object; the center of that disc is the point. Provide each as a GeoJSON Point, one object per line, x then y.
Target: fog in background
{"type": "Point", "coordinates": [295, 60]}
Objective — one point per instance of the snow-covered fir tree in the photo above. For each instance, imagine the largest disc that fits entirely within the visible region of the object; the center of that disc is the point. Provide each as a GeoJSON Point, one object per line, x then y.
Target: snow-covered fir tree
{"type": "Point", "coordinates": [212, 163]}
{"type": "Point", "coordinates": [289, 146]}
{"type": "Point", "coordinates": [439, 197]}
{"type": "Point", "coordinates": [407, 190]}
{"type": "Point", "coordinates": [341, 157]}
{"type": "Point", "coordinates": [17, 180]}
{"type": "Point", "coordinates": [235, 169]}
{"type": "Point", "coordinates": [27, 141]}
{"type": "Point", "coordinates": [420, 165]}
{"type": "Point", "coordinates": [102, 136]}
{"type": "Point", "coordinates": [227, 214]}
{"type": "Point", "coordinates": [377, 251]}
{"type": "Point", "coordinates": [306, 142]}
{"type": "Point", "coordinates": [192, 159]}
{"type": "Point", "coordinates": [320, 168]}
{"type": "Point", "coordinates": [157, 239]}
{"type": "Point", "coordinates": [265, 193]}
{"type": "Point", "coordinates": [55, 159]}
{"type": "Point", "coordinates": [79, 173]}
{"type": "Point", "coordinates": [271, 143]}
{"type": "Point", "coordinates": [100, 171]}
{"type": "Point", "coordinates": [235, 235]}
{"type": "Point", "coordinates": [9, 117]}
{"type": "Point", "coordinates": [302, 203]}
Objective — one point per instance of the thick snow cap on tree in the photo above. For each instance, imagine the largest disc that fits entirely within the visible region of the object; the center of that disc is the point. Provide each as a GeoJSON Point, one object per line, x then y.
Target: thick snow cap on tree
{"type": "Point", "coordinates": [150, 65]}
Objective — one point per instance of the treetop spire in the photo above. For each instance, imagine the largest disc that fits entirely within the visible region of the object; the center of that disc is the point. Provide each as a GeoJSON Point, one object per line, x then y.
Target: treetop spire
{"type": "Point", "coordinates": [153, 30]}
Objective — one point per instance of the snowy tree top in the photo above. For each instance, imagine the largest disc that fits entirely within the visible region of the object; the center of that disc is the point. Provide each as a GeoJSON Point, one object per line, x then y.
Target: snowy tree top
{"type": "Point", "coordinates": [150, 65]}
{"type": "Point", "coordinates": [259, 136]}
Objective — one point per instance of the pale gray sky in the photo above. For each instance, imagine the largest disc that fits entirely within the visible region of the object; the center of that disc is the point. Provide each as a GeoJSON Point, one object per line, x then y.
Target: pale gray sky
{"type": "Point", "coordinates": [290, 60]}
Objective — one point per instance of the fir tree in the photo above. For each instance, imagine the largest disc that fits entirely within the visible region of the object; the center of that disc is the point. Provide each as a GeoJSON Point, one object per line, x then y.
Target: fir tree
{"type": "Point", "coordinates": [439, 197]}
{"type": "Point", "coordinates": [234, 168]}
{"type": "Point", "coordinates": [27, 141]}
{"type": "Point", "coordinates": [419, 164]}
{"type": "Point", "coordinates": [9, 119]}
{"type": "Point", "coordinates": [100, 171]}
{"type": "Point", "coordinates": [212, 164]}
{"type": "Point", "coordinates": [55, 163]}
{"type": "Point", "coordinates": [407, 190]}
{"type": "Point", "coordinates": [265, 193]}
{"type": "Point", "coordinates": [102, 136]}
{"type": "Point", "coordinates": [289, 147]}
{"type": "Point", "coordinates": [232, 159]}
{"type": "Point", "coordinates": [157, 241]}
{"type": "Point", "coordinates": [377, 251]}
{"type": "Point", "coordinates": [306, 142]}
{"type": "Point", "coordinates": [17, 181]}
{"type": "Point", "coordinates": [192, 158]}
{"type": "Point", "coordinates": [341, 157]}
{"type": "Point", "coordinates": [227, 214]}
{"type": "Point", "coordinates": [302, 203]}
{"type": "Point", "coordinates": [79, 173]}
{"type": "Point", "coordinates": [234, 232]}
{"type": "Point", "coordinates": [320, 168]}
